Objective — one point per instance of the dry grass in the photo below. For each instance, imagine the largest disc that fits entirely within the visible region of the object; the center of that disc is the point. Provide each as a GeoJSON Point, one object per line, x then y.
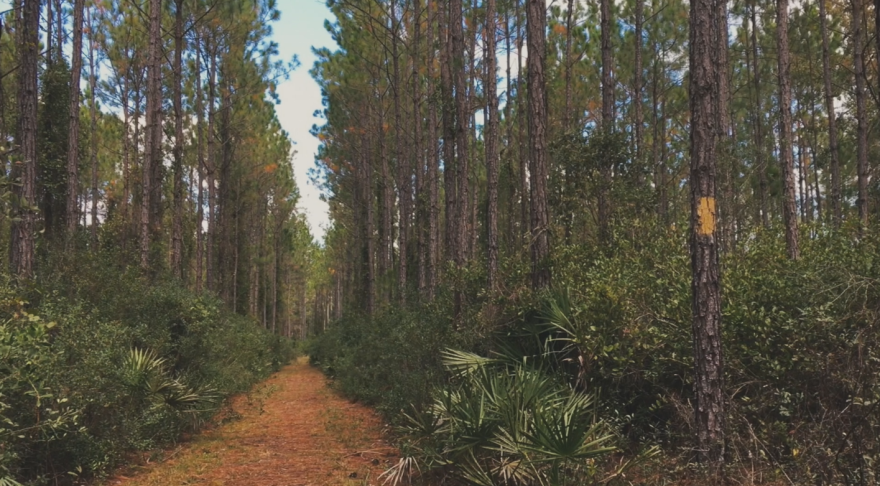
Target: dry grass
{"type": "Point", "coordinates": [290, 431]}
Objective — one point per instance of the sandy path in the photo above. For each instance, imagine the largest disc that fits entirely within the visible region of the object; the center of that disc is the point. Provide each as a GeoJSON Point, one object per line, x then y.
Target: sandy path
{"type": "Point", "coordinates": [291, 430]}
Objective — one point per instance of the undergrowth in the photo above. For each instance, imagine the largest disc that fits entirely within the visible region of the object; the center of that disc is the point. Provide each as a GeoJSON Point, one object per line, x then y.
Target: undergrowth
{"type": "Point", "coordinates": [802, 372]}
{"type": "Point", "coordinates": [96, 363]}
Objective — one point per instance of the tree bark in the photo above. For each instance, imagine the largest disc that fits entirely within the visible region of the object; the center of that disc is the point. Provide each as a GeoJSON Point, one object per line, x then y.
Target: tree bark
{"type": "Point", "coordinates": [210, 237]}
{"type": "Point", "coordinates": [706, 288]}
{"type": "Point", "coordinates": [200, 120]}
{"type": "Point", "coordinates": [607, 119]}
{"type": "Point", "coordinates": [861, 112]}
{"type": "Point", "coordinates": [154, 128]}
{"type": "Point", "coordinates": [637, 80]}
{"type": "Point", "coordinates": [404, 173]}
{"type": "Point", "coordinates": [759, 125]}
{"type": "Point", "coordinates": [540, 246]}
{"type": "Point", "coordinates": [786, 158]}
{"type": "Point", "coordinates": [23, 230]}
{"type": "Point", "coordinates": [723, 114]}
{"type": "Point", "coordinates": [450, 184]}
{"type": "Point", "coordinates": [93, 135]}
{"type": "Point", "coordinates": [459, 82]}
{"type": "Point", "coordinates": [433, 162]}
{"type": "Point", "coordinates": [491, 142]}
{"type": "Point", "coordinates": [73, 116]}
{"type": "Point", "coordinates": [836, 213]}
{"type": "Point", "coordinates": [177, 223]}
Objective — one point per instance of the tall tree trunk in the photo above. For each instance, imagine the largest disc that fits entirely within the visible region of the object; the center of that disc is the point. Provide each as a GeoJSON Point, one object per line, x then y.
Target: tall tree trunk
{"type": "Point", "coordinates": [73, 117]}
{"type": "Point", "coordinates": [418, 157]}
{"type": "Point", "coordinates": [637, 80]}
{"type": "Point", "coordinates": [607, 118]}
{"type": "Point", "coordinates": [177, 223]}
{"type": "Point", "coordinates": [786, 159]}
{"type": "Point", "coordinates": [491, 141]}
{"type": "Point", "coordinates": [836, 213]}
{"type": "Point", "coordinates": [200, 171]}
{"type": "Point", "coordinates": [23, 234]}
{"type": "Point", "coordinates": [459, 82]}
{"type": "Point", "coordinates": [210, 237]}
{"type": "Point", "coordinates": [126, 161]}
{"type": "Point", "coordinates": [706, 288]}
{"type": "Point", "coordinates": [861, 111]}
{"type": "Point", "coordinates": [59, 31]}
{"type": "Point", "coordinates": [759, 117]}
{"type": "Point", "coordinates": [521, 122]}
{"type": "Point", "coordinates": [450, 184]}
{"type": "Point", "coordinates": [656, 141]}
{"type": "Point", "coordinates": [93, 135]}
{"type": "Point", "coordinates": [50, 21]}
{"type": "Point", "coordinates": [433, 161]}
{"type": "Point", "coordinates": [386, 239]}
{"type": "Point", "coordinates": [366, 190]}
{"type": "Point", "coordinates": [152, 154]}
{"type": "Point", "coordinates": [540, 246]}
{"type": "Point", "coordinates": [723, 114]}
{"type": "Point", "coordinates": [404, 173]}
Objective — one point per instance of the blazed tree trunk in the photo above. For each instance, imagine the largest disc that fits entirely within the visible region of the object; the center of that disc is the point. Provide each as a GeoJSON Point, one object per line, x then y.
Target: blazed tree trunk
{"type": "Point", "coordinates": [786, 159]}
{"type": "Point", "coordinates": [759, 124]}
{"type": "Point", "coordinates": [93, 138]}
{"type": "Point", "coordinates": [73, 137]}
{"type": "Point", "coordinates": [177, 223]}
{"type": "Point", "coordinates": [607, 118]}
{"type": "Point", "coordinates": [706, 288]}
{"type": "Point", "coordinates": [540, 246]}
{"type": "Point", "coordinates": [836, 213]}
{"type": "Point", "coordinates": [491, 142]}
{"type": "Point", "coordinates": [23, 234]}
{"type": "Point", "coordinates": [861, 112]}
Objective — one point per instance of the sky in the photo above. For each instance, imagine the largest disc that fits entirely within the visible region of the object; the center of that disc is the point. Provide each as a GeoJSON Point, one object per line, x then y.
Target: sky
{"type": "Point", "coordinates": [301, 27]}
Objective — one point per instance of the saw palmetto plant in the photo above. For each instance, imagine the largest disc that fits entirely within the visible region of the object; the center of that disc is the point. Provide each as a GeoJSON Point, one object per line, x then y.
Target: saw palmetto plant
{"type": "Point", "coordinates": [145, 374]}
{"type": "Point", "coordinates": [504, 422]}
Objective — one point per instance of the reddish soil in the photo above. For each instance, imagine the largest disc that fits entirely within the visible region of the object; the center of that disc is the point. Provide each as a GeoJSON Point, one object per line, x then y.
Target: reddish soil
{"type": "Point", "coordinates": [291, 430]}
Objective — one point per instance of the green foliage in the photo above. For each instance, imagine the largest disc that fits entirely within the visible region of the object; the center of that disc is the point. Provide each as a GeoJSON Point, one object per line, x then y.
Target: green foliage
{"type": "Point", "coordinates": [390, 361]}
{"type": "Point", "coordinates": [53, 144]}
{"type": "Point", "coordinates": [800, 342]}
{"type": "Point", "coordinates": [503, 421]}
{"type": "Point", "coordinates": [99, 363]}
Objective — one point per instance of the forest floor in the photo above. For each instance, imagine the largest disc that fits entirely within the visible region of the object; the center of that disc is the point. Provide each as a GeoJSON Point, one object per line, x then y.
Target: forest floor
{"type": "Point", "coordinates": [291, 430]}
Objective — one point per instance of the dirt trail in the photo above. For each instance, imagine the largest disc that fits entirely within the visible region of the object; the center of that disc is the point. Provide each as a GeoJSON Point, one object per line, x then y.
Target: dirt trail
{"type": "Point", "coordinates": [291, 430]}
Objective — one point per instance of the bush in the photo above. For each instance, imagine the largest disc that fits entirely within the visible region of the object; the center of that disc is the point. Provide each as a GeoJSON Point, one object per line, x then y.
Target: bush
{"type": "Point", "coordinates": [99, 363]}
{"type": "Point", "coordinates": [800, 339]}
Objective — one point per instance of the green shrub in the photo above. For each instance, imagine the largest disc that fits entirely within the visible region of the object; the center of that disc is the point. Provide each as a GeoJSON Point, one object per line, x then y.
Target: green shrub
{"type": "Point", "coordinates": [801, 341]}
{"type": "Point", "coordinates": [100, 363]}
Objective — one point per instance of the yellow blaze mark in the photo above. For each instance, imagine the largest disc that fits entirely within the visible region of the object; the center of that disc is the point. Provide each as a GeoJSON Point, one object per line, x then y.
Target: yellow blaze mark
{"type": "Point", "coordinates": [706, 215]}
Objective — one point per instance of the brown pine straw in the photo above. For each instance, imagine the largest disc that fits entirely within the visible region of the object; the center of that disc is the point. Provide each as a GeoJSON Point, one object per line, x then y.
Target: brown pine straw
{"type": "Point", "coordinates": [292, 430]}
